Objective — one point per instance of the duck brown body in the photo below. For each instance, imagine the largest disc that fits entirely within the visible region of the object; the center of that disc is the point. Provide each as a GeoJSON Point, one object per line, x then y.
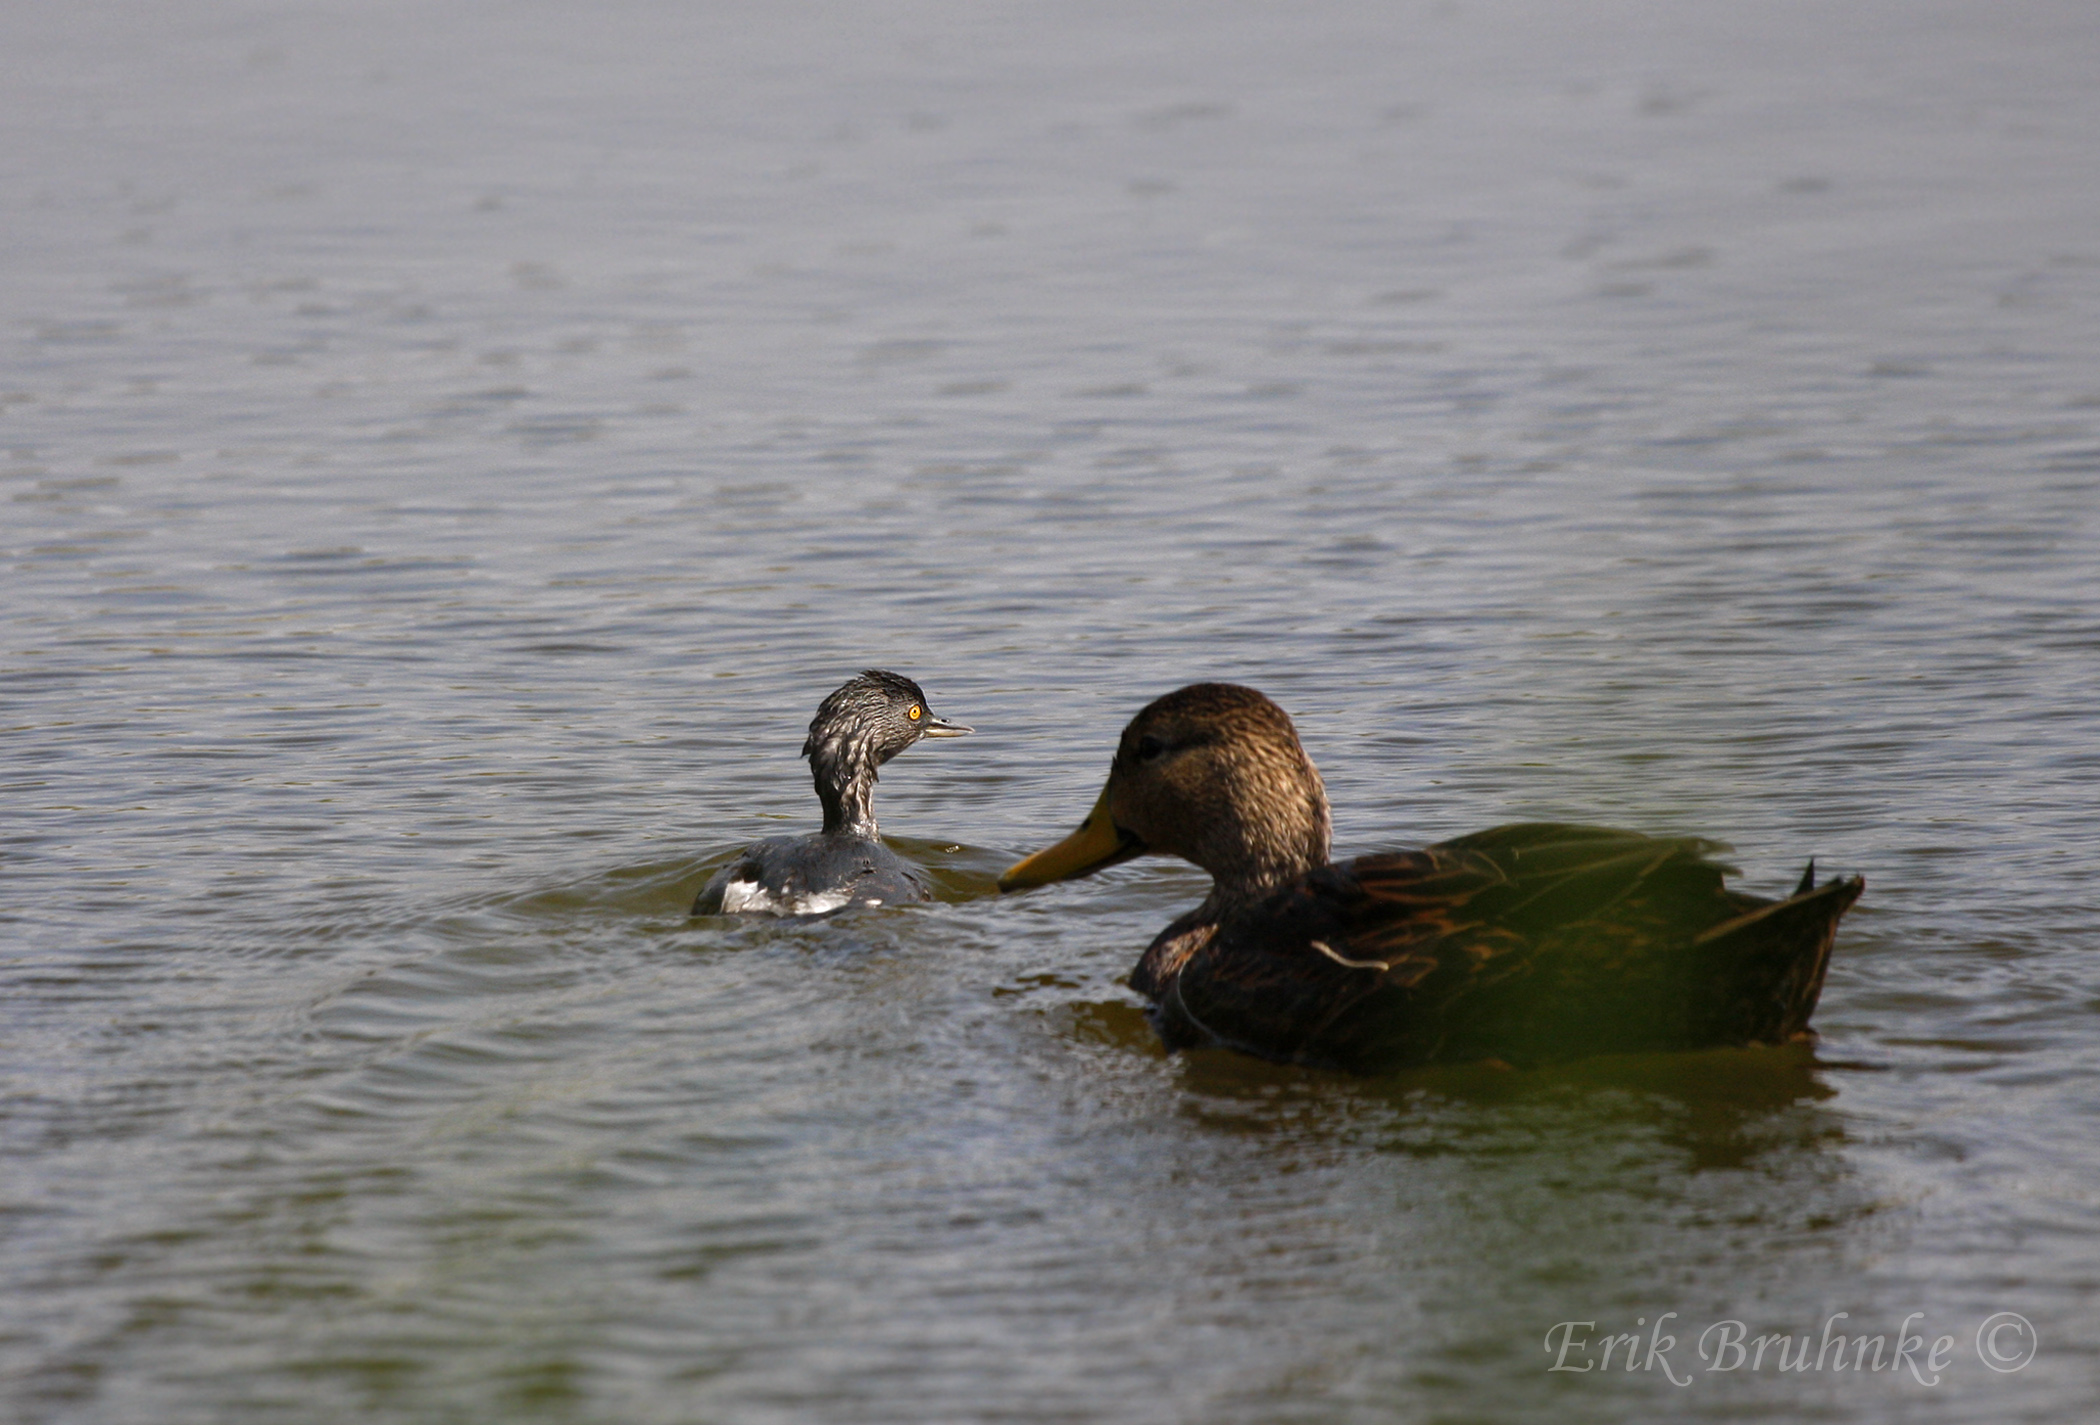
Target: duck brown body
{"type": "Point", "coordinates": [1525, 943]}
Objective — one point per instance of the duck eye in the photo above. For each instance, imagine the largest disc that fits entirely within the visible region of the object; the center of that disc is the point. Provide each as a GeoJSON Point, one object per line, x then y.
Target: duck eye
{"type": "Point", "coordinates": [915, 712]}
{"type": "Point", "coordinates": [1149, 747]}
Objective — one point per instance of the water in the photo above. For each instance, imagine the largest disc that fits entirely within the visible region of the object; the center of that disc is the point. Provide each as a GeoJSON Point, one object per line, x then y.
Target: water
{"type": "Point", "coordinates": [450, 450]}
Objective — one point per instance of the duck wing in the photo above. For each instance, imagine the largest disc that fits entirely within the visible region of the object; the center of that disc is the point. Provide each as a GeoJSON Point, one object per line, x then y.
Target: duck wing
{"type": "Point", "coordinates": [1527, 880]}
{"type": "Point", "coordinates": [1527, 942]}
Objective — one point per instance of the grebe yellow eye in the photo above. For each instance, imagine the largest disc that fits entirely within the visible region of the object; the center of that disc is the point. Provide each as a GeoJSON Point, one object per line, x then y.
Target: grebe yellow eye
{"type": "Point", "coordinates": [914, 713]}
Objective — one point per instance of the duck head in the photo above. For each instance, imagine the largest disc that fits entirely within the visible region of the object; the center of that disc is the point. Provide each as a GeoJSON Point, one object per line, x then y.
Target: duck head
{"type": "Point", "coordinates": [1214, 774]}
{"type": "Point", "coordinates": [861, 725]}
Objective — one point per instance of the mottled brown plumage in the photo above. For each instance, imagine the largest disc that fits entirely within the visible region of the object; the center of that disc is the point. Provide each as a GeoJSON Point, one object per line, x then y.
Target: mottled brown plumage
{"type": "Point", "coordinates": [1526, 943]}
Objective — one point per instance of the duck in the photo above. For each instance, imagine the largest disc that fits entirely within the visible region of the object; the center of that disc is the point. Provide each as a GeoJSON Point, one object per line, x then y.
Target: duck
{"type": "Point", "coordinates": [1518, 946]}
{"type": "Point", "coordinates": [862, 724]}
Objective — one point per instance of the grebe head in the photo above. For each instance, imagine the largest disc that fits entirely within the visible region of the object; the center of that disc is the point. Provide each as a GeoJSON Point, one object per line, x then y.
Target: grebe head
{"type": "Point", "coordinates": [860, 726]}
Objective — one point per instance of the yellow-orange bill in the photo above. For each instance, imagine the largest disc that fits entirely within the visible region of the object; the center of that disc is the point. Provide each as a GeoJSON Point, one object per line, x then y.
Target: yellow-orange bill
{"type": "Point", "coordinates": [1097, 843]}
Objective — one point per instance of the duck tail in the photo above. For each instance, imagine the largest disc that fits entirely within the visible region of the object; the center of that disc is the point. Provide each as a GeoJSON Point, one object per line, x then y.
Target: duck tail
{"type": "Point", "coordinates": [1768, 965]}
{"type": "Point", "coordinates": [1808, 879]}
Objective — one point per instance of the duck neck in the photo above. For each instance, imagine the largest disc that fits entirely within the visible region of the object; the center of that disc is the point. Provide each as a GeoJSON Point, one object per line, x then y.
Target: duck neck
{"type": "Point", "coordinates": [1247, 882]}
{"type": "Point", "coordinates": [1263, 855]}
{"type": "Point", "coordinates": [845, 776]}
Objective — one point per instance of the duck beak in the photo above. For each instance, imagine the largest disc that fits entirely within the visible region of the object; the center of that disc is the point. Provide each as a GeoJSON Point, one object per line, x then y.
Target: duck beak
{"type": "Point", "coordinates": [1099, 842]}
{"type": "Point", "coordinates": [941, 727]}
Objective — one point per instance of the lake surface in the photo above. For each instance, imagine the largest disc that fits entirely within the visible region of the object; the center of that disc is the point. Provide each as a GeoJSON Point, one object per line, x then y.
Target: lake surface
{"type": "Point", "coordinates": [447, 451]}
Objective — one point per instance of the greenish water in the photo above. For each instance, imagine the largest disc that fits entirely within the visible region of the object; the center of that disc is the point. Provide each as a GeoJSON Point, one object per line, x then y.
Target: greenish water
{"type": "Point", "coordinates": [450, 450]}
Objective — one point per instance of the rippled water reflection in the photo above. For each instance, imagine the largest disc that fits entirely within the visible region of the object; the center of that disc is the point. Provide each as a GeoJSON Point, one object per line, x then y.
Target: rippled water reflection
{"type": "Point", "coordinates": [449, 451]}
